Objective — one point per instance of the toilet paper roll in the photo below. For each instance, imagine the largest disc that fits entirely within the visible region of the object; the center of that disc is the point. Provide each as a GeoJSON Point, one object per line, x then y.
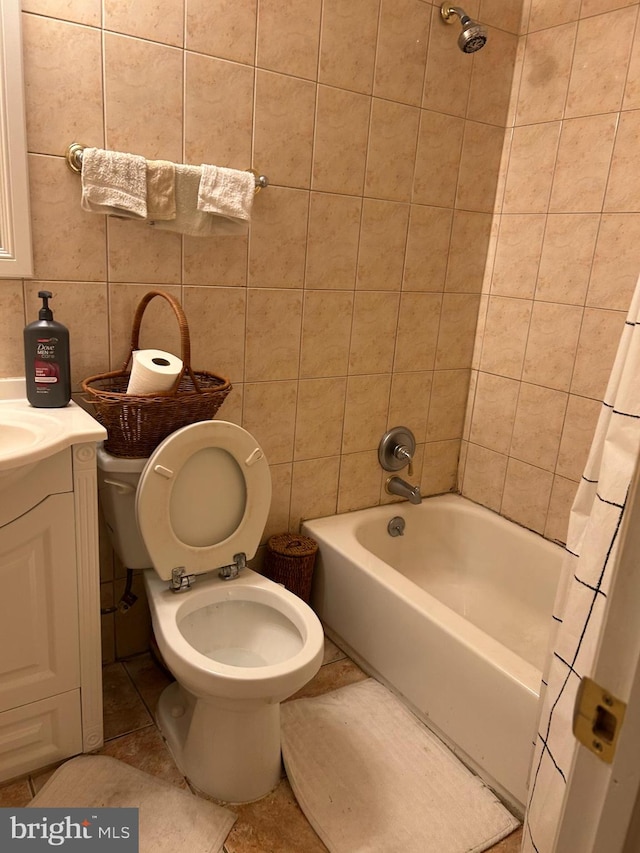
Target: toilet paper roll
{"type": "Point", "coordinates": [153, 371]}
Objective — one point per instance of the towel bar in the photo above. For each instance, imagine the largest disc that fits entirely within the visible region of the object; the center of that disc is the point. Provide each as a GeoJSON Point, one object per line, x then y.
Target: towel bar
{"type": "Point", "coordinates": [73, 156]}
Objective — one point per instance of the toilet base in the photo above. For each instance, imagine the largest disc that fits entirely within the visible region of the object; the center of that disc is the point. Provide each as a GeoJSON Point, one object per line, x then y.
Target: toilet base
{"type": "Point", "coordinates": [231, 753]}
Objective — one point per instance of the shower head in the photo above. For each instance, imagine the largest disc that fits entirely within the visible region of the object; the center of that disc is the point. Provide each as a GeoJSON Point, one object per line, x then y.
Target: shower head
{"type": "Point", "coordinates": [473, 36]}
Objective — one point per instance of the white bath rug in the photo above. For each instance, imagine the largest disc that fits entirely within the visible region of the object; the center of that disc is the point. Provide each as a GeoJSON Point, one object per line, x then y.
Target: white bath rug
{"type": "Point", "coordinates": [170, 820]}
{"type": "Point", "coordinates": [371, 778]}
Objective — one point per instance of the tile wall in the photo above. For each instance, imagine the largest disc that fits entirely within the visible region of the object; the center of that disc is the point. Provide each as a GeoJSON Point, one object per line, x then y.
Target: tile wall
{"type": "Point", "coordinates": [563, 261]}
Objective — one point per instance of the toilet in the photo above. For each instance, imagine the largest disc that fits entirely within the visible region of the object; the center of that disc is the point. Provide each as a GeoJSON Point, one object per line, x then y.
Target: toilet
{"type": "Point", "coordinates": [238, 644]}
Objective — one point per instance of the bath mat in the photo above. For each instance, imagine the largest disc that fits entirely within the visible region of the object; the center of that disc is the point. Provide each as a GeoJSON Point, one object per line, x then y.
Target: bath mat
{"type": "Point", "coordinates": [170, 820]}
{"type": "Point", "coordinates": [371, 778]}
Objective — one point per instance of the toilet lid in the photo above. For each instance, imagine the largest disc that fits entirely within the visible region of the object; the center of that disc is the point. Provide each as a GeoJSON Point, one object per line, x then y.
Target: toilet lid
{"type": "Point", "coordinates": [203, 497]}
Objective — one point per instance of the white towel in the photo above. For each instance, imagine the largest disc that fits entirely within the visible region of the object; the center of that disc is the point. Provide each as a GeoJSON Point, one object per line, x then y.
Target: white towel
{"type": "Point", "coordinates": [190, 220]}
{"type": "Point", "coordinates": [226, 192]}
{"type": "Point", "coordinates": [114, 183]}
{"type": "Point", "coordinates": [161, 189]}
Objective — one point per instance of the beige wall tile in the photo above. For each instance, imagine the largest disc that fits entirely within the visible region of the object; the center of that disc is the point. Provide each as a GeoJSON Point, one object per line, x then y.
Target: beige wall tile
{"type": "Point", "coordinates": [417, 332]}
{"type": "Point", "coordinates": [409, 403]}
{"type": "Point", "coordinates": [12, 322]}
{"type": "Point", "coordinates": [277, 242]}
{"type": "Point", "coordinates": [278, 520]}
{"type": "Point", "coordinates": [615, 264]}
{"type": "Point", "coordinates": [156, 20]}
{"type": "Point", "coordinates": [289, 36]}
{"type": "Point", "coordinates": [326, 333]}
{"type": "Point", "coordinates": [598, 73]}
{"type": "Point", "coordinates": [218, 113]}
{"type": "Point", "coordinates": [484, 474]}
{"type": "Point", "coordinates": [588, 141]}
{"type": "Point", "coordinates": [552, 344]}
{"type": "Point", "coordinates": [550, 13]}
{"type": "Point", "coordinates": [437, 159]}
{"type": "Point", "coordinates": [344, 61]}
{"type": "Point", "coordinates": [446, 409]}
{"type": "Point", "coordinates": [231, 409]}
{"type": "Point", "coordinates": [623, 188]}
{"type": "Point", "coordinates": [428, 240]}
{"type": "Point", "coordinates": [314, 489]}
{"type": "Point", "coordinates": [383, 237]}
{"type": "Point", "coordinates": [365, 417]}
{"type": "Point", "coordinates": [391, 153]}
{"type": "Point", "coordinates": [403, 32]}
{"type": "Point", "coordinates": [283, 137]}
{"type": "Point", "coordinates": [492, 77]}
{"type": "Point", "coordinates": [468, 251]}
{"type": "Point", "coordinates": [439, 467]}
{"type": "Point", "coordinates": [494, 412]}
{"type": "Point", "coordinates": [577, 435]}
{"type": "Point", "coordinates": [567, 256]}
{"type": "Point", "coordinates": [275, 433]}
{"type": "Point", "coordinates": [320, 417]}
{"type": "Point", "coordinates": [159, 328]}
{"type": "Point", "coordinates": [518, 255]}
{"type": "Point", "coordinates": [501, 13]}
{"type": "Point", "coordinates": [538, 425]}
{"type": "Point", "coordinates": [631, 100]}
{"type": "Point", "coordinates": [216, 260]}
{"type": "Point", "coordinates": [545, 76]}
{"type": "Point", "coordinates": [139, 253]}
{"type": "Point", "coordinates": [61, 105]}
{"type": "Point", "coordinates": [458, 321]}
{"type": "Point", "coordinates": [72, 304]}
{"type": "Point", "coordinates": [505, 335]}
{"type": "Point", "coordinates": [79, 11]}
{"type": "Point", "coordinates": [375, 316]}
{"type": "Point", "coordinates": [445, 62]}
{"type": "Point", "coordinates": [360, 481]}
{"type": "Point", "coordinates": [216, 317]}
{"type": "Point", "coordinates": [332, 243]}
{"type": "Point", "coordinates": [67, 242]}
{"type": "Point", "coordinates": [597, 7]}
{"type": "Point", "coordinates": [224, 28]}
{"type": "Point", "coordinates": [527, 492]}
{"type": "Point", "coordinates": [340, 149]}
{"type": "Point", "coordinates": [597, 346]}
{"type": "Point", "coordinates": [479, 166]}
{"type": "Point", "coordinates": [563, 493]}
{"type": "Point", "coordinates": [531, 164]}
{"type": "Point", "coordinates": [136, 73]}
{"type": "Point", "coordinates": [273, 334]}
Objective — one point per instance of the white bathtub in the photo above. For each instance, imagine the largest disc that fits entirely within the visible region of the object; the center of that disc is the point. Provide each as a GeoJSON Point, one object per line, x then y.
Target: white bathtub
{"type": "Point", "coordinates": [454, 616]}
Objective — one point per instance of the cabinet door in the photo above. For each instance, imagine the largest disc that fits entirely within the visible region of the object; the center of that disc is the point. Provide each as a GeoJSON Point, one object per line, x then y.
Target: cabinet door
{"type": "Point", "coordinates": [39, 654]}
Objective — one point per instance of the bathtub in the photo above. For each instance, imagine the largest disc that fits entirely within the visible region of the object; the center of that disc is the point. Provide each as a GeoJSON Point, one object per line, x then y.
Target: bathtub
{"type": "Point", "coordinates": [453, 615]}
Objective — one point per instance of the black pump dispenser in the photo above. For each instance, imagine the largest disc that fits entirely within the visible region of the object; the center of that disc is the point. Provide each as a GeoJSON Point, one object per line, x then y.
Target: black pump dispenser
{"type": "Point", "coordinates": [46, 359]}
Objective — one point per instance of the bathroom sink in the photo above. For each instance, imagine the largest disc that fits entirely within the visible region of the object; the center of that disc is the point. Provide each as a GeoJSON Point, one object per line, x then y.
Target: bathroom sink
{"type": "Point", "coordinates": [28, 435]}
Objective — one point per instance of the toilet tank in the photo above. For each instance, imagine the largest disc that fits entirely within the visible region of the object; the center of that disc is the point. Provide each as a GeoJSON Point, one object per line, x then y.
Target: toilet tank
{"type": "Point", "coordinates": [117, 484]}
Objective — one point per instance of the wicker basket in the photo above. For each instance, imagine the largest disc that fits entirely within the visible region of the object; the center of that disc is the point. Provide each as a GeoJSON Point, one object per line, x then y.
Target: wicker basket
{"type": "Point", "coordinates": [136, 425]}
{"type": "Point", "coordinates": [290, 561]}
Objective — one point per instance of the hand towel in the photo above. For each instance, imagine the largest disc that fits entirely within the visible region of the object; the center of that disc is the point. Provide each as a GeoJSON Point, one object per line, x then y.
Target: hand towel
{"type": "Point", "coordinates": [161, 189]}
{"type": "Point", "coordinates": [189, 220]}
{"type": "Point", "coordinates": [226, 192]}
{"type": "Point", "coordinates": [114, 183]}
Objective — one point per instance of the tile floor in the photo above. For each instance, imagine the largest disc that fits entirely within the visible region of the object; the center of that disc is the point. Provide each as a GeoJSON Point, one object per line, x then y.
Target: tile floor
{"type": "Point", "coordinates": [275, 824]}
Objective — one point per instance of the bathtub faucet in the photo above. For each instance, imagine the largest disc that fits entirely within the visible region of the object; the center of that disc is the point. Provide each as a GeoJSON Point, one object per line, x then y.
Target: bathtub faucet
{"type": "Point", "coordinates": [397, 486]}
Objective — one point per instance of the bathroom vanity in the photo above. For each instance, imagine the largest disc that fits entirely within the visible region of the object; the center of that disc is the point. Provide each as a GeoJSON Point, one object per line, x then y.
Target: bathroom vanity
{"type": "Point", "coordinates": [50, 656]}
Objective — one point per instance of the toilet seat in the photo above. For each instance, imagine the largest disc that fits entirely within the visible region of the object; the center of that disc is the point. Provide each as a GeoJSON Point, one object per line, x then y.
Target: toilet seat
{"type": "Point", "coordinates": [203, 497]}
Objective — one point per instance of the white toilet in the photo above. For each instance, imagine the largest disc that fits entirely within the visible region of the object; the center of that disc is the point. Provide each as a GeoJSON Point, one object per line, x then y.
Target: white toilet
{"type": "Point", "coordinates": [237, 643]}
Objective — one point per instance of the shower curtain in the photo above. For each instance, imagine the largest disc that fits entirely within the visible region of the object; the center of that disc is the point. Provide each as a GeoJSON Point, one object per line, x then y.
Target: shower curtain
{"type": "Point", "coordinates": [587, 577]}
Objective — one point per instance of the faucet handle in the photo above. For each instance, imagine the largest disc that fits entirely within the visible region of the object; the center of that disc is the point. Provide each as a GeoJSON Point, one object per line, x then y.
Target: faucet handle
{"type": "Point", "coordinates": [402, 452]}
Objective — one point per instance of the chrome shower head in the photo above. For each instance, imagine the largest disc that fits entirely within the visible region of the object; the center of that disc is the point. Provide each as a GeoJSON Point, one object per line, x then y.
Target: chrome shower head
{"type": "Point", "coordinates": [473, 36]}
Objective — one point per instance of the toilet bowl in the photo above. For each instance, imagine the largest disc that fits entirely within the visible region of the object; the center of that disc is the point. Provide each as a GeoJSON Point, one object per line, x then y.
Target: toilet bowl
{"type": "Point", "coordinates": [237, 643]}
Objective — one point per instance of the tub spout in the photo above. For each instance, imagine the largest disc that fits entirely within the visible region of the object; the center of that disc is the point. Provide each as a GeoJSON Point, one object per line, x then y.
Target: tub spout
{"type": "Point", "coordinates": [397, 486]}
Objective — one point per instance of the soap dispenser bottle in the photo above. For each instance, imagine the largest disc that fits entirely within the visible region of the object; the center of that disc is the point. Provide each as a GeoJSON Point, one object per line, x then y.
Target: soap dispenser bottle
{"type": "Point", "coordinates": [46, 357]}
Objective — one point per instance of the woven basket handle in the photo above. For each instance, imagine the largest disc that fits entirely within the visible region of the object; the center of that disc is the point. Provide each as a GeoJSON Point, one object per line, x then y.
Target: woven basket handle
{"type": "Point", "coordinates": [185, 340]}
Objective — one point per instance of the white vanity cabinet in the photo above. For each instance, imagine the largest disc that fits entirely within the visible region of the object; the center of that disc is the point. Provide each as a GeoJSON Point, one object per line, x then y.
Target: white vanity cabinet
{"type": "Point", "coordinates": [50, 656]}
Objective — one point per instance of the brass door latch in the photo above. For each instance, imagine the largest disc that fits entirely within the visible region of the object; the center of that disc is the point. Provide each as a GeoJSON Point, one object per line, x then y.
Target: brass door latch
{"type": "Point", "coordinates": [597, 719]}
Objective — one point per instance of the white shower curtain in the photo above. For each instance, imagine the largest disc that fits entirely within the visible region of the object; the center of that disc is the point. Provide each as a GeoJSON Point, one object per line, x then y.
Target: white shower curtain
{"type": "Point", "coordinates": [587, 576]}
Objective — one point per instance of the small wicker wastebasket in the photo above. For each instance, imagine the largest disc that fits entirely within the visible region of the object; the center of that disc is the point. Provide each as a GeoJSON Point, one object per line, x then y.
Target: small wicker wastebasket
{"type": "Point", "coordinates": [290, 560]}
